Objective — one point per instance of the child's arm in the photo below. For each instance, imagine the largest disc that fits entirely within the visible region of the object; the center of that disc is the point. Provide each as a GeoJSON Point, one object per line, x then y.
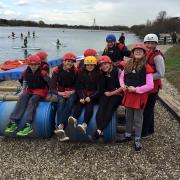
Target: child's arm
{"type": "Point", "coordinates": [148, 86]}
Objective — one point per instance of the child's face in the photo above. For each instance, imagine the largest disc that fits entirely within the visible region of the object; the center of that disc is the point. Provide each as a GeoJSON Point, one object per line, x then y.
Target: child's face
{"type": "Point", "coordinates": [110, 44]}
{"type": "Point", "coordinates": [138, 54]}
{"type": "Point", "coordinates": [105, 67]}
{"type": "Point", "coordinates": [90, 67]}
{"type": "Point", "coordinates": [150, 45]}
{"type": "Point", "coordinates": [34, 66]}
{"type": "Point", "coordinates": [68, 64]}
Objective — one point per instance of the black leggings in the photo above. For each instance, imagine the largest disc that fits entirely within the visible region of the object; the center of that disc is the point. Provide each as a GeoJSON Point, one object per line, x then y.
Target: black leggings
{"type": "Point", "coordinates": [107, 106]}
{"type": "Point", "coordinates": [88, 111]}
{"type": "Point", "coordinates": [148, 116]}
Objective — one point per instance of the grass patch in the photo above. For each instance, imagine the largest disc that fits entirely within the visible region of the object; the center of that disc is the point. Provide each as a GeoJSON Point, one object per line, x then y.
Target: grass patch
{"type": "Point", "coordinates": [172, 62]}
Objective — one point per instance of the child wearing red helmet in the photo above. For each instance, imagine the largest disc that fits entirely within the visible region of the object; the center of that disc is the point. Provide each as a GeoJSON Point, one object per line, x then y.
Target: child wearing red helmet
{"type": "Point", "coordinates": [63, 85]}
{"type": "Point", "coordinates": [136, 81]}
{"type": "Point", "coordinates": [35, 89]}
{"type": "Point", "coordinates": [111, 97]}
{"type": "Point", "coordinates": [43, 56]}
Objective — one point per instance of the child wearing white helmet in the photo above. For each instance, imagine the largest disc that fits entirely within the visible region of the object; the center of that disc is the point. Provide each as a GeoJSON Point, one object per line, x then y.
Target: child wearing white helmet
{"type": "Point", "coordinates": [156, 60]}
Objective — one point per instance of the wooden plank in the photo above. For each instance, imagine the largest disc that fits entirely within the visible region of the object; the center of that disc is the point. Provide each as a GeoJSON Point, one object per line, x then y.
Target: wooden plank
{"type": "Point", "coordinates": [171, 103]}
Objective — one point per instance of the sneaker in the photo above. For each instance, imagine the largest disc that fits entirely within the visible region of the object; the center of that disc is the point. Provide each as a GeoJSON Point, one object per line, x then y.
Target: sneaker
{"type": "Point", "coordinates": [137, 145]}
{"type": "Point", "coordinates": [11, 127]}
{"type": "Point", "coordinates": [60, 129]}
{"type": "Point", "coordinates": [95, 136]}
{"type": "Point", "coordinates": [25, 131]}
{"type": "Point", "coordinates": [62, 137]}
{"type": "Point", "coordinates": [145, 136]}
{"type": "Point", "coordinates": [72, 121]}
{"type": "Point", "coordinates": [82, 128]}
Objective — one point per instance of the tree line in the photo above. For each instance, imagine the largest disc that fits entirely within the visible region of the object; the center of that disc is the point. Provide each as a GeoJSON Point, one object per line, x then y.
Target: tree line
{"type": "Point", "coordinates": [5, 22]}
{"type": "Point", "coordinates": [162, 24]}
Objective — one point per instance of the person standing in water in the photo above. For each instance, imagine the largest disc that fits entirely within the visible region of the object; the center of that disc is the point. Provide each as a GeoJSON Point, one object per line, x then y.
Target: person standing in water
{"type": "Point", "coordinates": [33, 34]}
{"type": "Point", "coordinates": [21, 35]}
{"type": "Point", "coordinates": [25, 42]}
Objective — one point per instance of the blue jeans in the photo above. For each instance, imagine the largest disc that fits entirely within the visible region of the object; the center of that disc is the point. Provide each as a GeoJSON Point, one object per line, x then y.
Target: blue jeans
{"type": "Point", "coordinates": [64, 109]}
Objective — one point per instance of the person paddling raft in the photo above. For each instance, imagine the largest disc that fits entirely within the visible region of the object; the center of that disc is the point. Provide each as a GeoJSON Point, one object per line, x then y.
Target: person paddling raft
{"type": "Point", "coordinates": [58, 43]}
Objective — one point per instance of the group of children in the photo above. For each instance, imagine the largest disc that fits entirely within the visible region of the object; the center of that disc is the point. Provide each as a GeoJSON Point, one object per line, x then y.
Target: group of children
{"type": "Point", "coordinates": [106, 80]}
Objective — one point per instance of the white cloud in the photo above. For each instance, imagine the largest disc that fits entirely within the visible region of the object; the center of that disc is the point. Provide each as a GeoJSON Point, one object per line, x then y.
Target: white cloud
{"type": "Point", "coordinates": [106, 12]}
{"type": "Point", "coordinates": [22, 2]}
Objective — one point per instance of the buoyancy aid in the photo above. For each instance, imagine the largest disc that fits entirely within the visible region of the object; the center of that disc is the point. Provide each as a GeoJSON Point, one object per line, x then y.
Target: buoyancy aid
{"type": "Point", "coordinates": [135, 100]}
{"type": "Point", "coordinates": [35, 82]}
{"type": "Point", "coordinates": [66, 80]}
{"type": "Point", "coordinates": [150, 57]}
{"type": "Point", "coordinates": [116, 52]}
{"type": "Point", "coordinates": [45, 67]}
{"type": "Point", "coordinates": [88, 84]}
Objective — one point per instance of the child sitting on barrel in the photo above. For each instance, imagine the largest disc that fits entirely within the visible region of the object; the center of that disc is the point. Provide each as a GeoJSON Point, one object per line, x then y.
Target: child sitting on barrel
{"type": "Point", "coordinates": [63, 85]}
{"type": "Point", "coordinates": [88, 89]}
{"type": "Point", "coordinates": [35, 89]}
{"type": "Point", "coordinates": [111, 97]}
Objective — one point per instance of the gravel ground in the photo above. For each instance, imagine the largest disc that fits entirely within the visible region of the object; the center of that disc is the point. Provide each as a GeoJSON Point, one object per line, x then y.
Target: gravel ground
{"type": "Point", "coordinates": [51, 159]}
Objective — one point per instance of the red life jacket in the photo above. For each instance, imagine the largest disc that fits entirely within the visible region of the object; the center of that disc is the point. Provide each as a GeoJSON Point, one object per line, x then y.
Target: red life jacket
{"type": "Point", "coordinates": [150, 57]}
{"type": "Point", "coordinates": [36, 84]}
{"type": "Point", "coordinates": [135, 100]}
{"type": "Point", "coordinates": [66, 79]}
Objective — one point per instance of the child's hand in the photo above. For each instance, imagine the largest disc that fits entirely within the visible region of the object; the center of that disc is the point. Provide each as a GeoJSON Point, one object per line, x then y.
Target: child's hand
{"type": "Point", "coordinates": [107, 93]}
{"type": "Point", "coordinates": [124, 87]}
{"type": "Point", "coordinates": [87, 99]}
{"type": "Point", "coordinates": [131, 89]}
{"type": "Point", "coordinates": [67, 94]}
{"type": "Point", "coordinates": [82, 101]}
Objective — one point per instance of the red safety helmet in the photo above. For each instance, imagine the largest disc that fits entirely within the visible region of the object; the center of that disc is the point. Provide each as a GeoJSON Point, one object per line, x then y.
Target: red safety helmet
{"type": "Point", "coordinates": [139, 46]}
{"type": "Point", "coordinates": [90, 52]}
{"type": "Point", "coordinates": [104, 59]}
{"type": "Point", "coordinates": [42, 55]}
{"type": "Point", "coordinates": [69, 56]}
{"type": "Point", "coordinates": [34, 59]}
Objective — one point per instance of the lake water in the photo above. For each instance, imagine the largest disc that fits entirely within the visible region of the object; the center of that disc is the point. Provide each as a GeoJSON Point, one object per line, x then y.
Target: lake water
{"type": "Point", "coordinates": [74, 40]}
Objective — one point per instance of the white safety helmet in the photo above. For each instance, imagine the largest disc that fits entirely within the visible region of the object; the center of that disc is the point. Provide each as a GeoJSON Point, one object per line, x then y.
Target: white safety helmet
{"type": "Point", "coordinates": [151, 37]}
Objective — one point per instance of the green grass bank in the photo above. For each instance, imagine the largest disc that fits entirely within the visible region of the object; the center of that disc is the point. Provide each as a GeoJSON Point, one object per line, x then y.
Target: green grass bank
{"type": "Point", "coordinates": [172, 62]}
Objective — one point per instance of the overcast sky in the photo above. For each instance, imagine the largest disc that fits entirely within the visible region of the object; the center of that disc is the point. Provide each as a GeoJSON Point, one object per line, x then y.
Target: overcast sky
{"type": "Point", "coordinates": [76, 12]}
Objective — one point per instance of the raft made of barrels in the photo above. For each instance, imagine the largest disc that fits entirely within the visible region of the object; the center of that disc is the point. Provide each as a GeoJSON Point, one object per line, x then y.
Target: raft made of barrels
{"type": "Point", "coordinates": [43, 124]}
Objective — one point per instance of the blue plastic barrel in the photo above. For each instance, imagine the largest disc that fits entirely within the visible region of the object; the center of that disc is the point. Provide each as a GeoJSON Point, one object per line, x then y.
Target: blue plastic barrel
{"type": "Point", "coordinates": [109, 131]}
{"type": "Point", "coordinates": [43, 124]}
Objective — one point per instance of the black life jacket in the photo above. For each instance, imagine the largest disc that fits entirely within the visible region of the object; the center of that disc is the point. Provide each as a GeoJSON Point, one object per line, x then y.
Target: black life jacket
{"type": "Point", "coordinates": [112, 80]}
{"type": "Point", "coordinates": [35, 80]}
{"type": "Point", "coordinates": [88, 82]}
{"type": "Point", "coordinates": [66, 78]}
{"type": "Point", "coordinates": [135, 78]}
{"type": "Point", "coordinates": [115, 53]}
